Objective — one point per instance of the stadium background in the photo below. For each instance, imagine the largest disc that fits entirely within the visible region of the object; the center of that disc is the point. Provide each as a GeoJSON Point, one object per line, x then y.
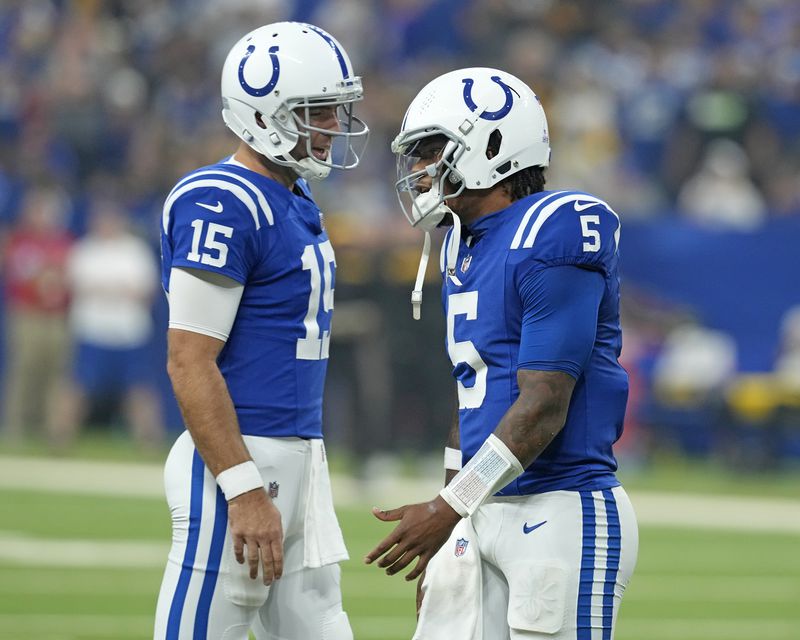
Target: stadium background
{"type": "Point", "coordinates": [684, 115]}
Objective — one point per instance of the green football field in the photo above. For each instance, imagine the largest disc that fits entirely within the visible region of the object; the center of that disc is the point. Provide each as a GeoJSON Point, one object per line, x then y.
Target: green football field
{"type": "Point", "coordinates": [88, 566]}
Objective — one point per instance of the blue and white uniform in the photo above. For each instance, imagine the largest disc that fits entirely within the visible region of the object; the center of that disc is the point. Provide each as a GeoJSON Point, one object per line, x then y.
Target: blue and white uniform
{"type": "Point", "coordinates": [233, 222]}
{"type": "Point", "coordinates": [536, 287]}
{"type": "Point", "coordinates": [539, 290]}
{"type": "Point", "coordinates": [258, 233]}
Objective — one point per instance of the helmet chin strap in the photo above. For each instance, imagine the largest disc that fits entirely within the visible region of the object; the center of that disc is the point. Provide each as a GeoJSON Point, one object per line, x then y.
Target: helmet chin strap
{"type": "Point", "coordinates": [416, 294]}
{"type": "Point", "coordinates": [451, 251]}
{"type": "Point", "coordinates": [309, 169]}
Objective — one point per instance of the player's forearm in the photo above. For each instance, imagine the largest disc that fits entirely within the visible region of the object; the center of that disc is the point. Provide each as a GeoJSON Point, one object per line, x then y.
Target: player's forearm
{"type": "Point", "coordinates": [526, 429]}
{"type": "Point", "coordinates": [538, 414]}
{"type": "Point", "coordinates": [453, 442]}
{"type": "Point", "coordinates": [454, 436]}
{"type": "Point", "coordinates": [208, 413]}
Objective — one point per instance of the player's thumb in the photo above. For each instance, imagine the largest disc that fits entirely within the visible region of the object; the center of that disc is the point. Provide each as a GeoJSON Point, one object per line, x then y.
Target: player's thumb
{"type": "Point", "coordinates": [388, 515]}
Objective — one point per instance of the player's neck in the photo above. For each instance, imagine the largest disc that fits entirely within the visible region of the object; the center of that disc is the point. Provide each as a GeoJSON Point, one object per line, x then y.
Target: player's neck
{"type": "Point", "coordinates": [258, 163]}
{"type": "Point", "coordinates": [476, 203]}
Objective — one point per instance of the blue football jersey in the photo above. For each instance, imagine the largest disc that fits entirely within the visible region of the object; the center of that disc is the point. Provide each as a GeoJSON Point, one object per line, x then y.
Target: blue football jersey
{"type": "Point", "coordinates": [485, 321]}
{"type": "Point", "coordinates": [232, 221]}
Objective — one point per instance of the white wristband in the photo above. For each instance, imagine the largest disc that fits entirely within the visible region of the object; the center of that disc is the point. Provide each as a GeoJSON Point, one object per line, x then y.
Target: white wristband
{"type": "Point", "coordinates": [488, 471]}
{"type": "Point", "coordinates": [240, 479]}
{"type": "Point", "coordinates": [452, 459]}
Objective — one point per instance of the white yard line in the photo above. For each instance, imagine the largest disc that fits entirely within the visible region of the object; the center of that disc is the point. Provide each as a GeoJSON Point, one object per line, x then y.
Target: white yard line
{"type": "Point", "coordinates": [49, 625]}
{"type": "Point", "coordinates": [124, 479]}
{"type": "Point", "coordinates": [58, 475]}
{"type": "Point", "coordinates": [774, 515]}
{"type": "Point", "coordinates": [709, 628]}
{"type": "Point", "coordinates": [22, 549]}
{"type": "Point", "coordinates": [60, 626]}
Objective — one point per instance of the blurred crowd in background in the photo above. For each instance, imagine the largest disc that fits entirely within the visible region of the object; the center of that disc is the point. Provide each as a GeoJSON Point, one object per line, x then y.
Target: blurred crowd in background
{"type": "Point", "coordinates": [685, 116]}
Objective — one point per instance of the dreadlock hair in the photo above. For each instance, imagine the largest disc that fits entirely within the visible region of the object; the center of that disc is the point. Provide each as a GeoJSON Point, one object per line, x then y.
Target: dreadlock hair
{"type": "Point", "coordinates": [522, 183]}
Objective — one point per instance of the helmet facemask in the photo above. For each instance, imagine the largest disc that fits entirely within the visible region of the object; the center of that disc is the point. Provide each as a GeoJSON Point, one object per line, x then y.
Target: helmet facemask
{"type": "Point", "coordinates": [425, 205]}
{"type": "Point", "coordinates": [292, 127]}
{"type": "Point", "coordinates": [347, 139]}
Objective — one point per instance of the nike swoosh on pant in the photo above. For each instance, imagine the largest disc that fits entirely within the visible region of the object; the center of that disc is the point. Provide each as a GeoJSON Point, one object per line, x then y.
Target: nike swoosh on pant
{"type": "Point", "coordinates": [526, 529]}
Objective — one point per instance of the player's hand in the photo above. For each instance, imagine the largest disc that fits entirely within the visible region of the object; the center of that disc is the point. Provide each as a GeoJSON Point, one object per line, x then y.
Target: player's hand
{"type": "Point", "coordinates": [423, 529]}
{"type": "Point", "coordinates": [255, 522]}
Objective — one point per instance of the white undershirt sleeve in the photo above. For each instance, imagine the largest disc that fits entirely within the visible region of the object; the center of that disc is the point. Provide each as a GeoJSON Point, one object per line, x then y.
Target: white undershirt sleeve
{"type": "Point", "coordinates": [203, 302]}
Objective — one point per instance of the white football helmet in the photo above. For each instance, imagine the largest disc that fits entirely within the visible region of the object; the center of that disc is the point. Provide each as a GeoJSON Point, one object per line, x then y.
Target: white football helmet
{"type": "Point", "coordinates": [282, 71]}
{"type": "Point", "coordinates": [466, 106]}
{"type": "Point", "coordinates": [463, 108]}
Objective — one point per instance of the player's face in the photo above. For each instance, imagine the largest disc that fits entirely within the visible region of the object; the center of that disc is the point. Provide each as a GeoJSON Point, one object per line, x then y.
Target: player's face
{"type": "Point", "coordinates": [427, 153]}
{"type": "Point", "coordinates": [316, 121]}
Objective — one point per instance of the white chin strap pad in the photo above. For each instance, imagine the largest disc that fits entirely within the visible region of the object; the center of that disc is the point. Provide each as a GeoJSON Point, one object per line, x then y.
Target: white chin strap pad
{"type": "Point", "coordinates": [309, 169]}
{"type": "Point", "coordinates": [429, 209]}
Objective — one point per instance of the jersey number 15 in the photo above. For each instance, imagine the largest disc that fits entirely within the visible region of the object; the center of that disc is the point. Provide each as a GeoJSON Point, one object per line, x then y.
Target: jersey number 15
{"type": "Point", "coordinates": [316, 343]}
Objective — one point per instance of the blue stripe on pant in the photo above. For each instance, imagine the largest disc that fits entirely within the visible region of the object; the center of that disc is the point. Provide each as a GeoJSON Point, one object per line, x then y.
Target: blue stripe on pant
{"type": "Point", "coordinates": [613, 536]}
{"type": "Point", "coordinates": [200, 627]}
{"type": "Point", "coordinates": [612, 561]}
{"type": "Point", "coordinates": [584, 621]}
{"type": "Point", "coordinates": [212, 568]}
{"type": "Point", "coordinates": [195, 517]}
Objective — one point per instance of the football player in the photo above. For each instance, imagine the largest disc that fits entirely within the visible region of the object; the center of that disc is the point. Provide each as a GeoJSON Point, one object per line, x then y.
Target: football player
{"type": "Point", "coordinates": [533, 536]}
{"type": "Point", "coordinates": [250, 274]}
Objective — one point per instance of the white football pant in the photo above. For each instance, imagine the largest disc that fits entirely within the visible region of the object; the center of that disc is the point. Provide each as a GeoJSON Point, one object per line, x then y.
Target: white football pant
{"type": "Point", "coordinates": [207, 595]}
{"type": "Point", "coordinates": [550, 566]}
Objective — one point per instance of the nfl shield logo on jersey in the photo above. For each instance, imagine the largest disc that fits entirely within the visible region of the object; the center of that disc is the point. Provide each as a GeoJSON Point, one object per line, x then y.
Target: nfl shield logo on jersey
{"type": "Point", "coordinates": [465, 263]}
{"type": "Point", "coordinates": [273, 489]}
{"type": "Point", "coordinates": [461, 547]}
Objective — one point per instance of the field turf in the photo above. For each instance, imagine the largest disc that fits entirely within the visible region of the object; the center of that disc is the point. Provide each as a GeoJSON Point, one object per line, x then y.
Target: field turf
{"type": "Point", "coordinates": [88, 567]}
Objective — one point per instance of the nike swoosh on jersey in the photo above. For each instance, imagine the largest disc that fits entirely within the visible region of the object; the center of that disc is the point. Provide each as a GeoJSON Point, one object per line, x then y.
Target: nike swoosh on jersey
{"type": "Point", "coordinates": [216, 208]}
{"type": "Point", "coordinates": [580, 206]}
{"type": "Point", "coordinates": [526, 529]}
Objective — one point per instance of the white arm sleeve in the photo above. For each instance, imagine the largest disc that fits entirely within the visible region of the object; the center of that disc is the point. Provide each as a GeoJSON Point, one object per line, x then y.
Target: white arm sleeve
{"type": "Point", "coordinates": [203, 302]}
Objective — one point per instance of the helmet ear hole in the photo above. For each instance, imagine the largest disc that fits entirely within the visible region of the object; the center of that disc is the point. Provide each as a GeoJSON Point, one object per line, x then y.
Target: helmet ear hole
{"type": "Point", "coordinates": [493, 145]}
{"type": "Point", "coordinates": [504, 168]}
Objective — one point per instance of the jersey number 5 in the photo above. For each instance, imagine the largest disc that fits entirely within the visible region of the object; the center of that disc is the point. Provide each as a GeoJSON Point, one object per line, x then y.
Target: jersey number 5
{"type": "Point", "coordinates": [459, 304]}
{"type": "Point", "coordinates": [592, 235]}
{"type": "Point", "coordinates": [315, 346]}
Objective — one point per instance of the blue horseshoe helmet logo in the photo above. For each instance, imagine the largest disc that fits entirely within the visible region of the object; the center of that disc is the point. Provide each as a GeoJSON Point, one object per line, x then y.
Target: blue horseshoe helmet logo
{"type": "Point", "coordinates": [502, 112]}
{"type": "Point", "coordinates": [276, 72]}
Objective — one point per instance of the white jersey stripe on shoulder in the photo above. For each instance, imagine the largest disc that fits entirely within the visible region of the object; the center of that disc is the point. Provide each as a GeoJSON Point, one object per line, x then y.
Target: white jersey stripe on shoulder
{"type": "Point", "coordinates": [526, 218]}
{"type": "Point", "coordinates": [235, 189]}
{"type": "Point", "coordinates": [262, 201]}
{"type": "Point", "coordinates": [554, 206]}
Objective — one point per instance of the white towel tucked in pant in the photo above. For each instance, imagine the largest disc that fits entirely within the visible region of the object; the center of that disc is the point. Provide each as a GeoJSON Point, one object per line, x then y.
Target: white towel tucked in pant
{"type": "Point", "coordinates": [451, 604]}
{"type": "Point", "coordinates": [323, 538]}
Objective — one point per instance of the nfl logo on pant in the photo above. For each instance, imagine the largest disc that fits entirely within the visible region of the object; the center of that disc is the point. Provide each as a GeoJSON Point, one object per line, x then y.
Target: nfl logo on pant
{"type": "Point", "coordinates": [461, 547]}
{"type": "Point", "coordinates": [273, 489]}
